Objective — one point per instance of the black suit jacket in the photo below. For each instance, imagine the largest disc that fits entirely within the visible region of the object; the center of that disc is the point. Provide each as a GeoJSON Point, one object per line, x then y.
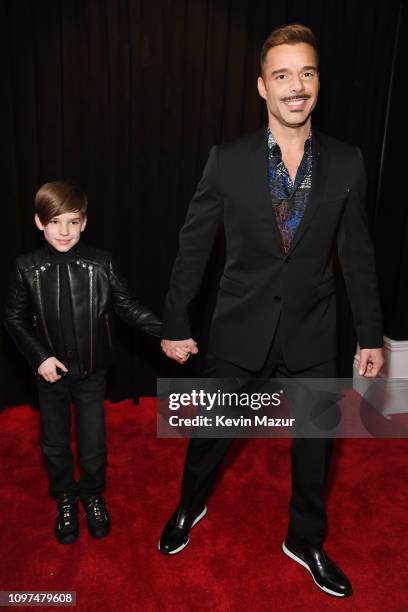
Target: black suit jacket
{"type": "Point", "coordinates": [260, 282]}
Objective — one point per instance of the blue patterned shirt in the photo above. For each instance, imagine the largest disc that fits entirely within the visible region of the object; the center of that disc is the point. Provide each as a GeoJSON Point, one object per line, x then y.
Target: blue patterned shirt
{"type": "Point", "coordinates": [289, 199]}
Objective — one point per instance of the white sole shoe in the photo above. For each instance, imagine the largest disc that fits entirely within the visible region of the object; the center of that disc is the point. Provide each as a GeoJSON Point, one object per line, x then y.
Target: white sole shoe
{"type": "Point", "coordinates": [301, 562]}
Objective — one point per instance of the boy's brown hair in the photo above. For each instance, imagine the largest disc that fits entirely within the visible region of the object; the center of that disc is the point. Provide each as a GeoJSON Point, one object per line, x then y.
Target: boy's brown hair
{"type": "Point", "coordinates": [57, 198]}
{"type": "Point", "coordinates": [291, 34]}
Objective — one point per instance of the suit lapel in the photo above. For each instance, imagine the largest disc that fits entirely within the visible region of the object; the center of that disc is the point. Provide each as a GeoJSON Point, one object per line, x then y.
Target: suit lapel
{"type": "Point", "coordinates": [316, 195]}
{"type": "Point", "coordinates": [261, 193]}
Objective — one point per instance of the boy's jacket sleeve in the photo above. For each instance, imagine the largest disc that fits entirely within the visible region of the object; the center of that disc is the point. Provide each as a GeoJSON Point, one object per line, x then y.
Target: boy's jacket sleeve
{"type": "Point", "coordinates": [128, 307]}
{"type": "Point", "coordinates": [18, 321]}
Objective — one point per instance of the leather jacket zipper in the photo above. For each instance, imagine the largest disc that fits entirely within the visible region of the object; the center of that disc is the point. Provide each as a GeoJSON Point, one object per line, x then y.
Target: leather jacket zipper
{"type": "Point", "coordinates": [108, 330]}
{"type": "Point", "coordinates": [38, 283]}
{"type": "Point", "coordinates": [90, 268]}
{"type": "Point", "coordinates": [35, 324]}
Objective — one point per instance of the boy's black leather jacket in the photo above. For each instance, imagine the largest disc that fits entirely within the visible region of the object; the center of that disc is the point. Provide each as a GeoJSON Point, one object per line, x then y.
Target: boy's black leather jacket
{"type": "Point", "coordinates": [32, 309]}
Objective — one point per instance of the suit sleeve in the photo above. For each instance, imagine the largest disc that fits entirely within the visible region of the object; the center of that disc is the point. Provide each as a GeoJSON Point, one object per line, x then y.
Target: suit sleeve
{"type": "Point", "coordinates": [128, 307]}
{"type": "Point", "coordinates": [196, 240]}
{"type": "Point", "coordinates": [357, 260]}
{"type": "Point", "coordinates": [18, 322]}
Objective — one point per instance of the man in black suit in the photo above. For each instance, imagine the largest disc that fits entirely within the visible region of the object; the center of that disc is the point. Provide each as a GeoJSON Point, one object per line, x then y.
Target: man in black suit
{"type": "Point", "coordinates": [287, 196]}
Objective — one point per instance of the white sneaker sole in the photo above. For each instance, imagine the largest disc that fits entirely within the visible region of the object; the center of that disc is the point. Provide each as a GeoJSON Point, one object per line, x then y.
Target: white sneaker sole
{"type": "Point", "coordinates": [298, 560]}
{"type": "Point", "coordinates": [196, 520]}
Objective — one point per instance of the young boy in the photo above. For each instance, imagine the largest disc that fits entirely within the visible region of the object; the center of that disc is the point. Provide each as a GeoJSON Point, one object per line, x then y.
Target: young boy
{"type": "Point", "coordinates": [59, 310]}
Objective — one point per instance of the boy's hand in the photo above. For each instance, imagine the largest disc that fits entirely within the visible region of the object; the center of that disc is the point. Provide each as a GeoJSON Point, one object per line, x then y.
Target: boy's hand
{"type": "Point", "coordinates": [48, 369]}
{"type": "Point", "coordinates": [179, 350]}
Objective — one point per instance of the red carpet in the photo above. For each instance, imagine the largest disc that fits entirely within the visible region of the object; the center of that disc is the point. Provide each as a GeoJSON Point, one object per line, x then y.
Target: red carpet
{"type": "Point", "coordinates": [234, 561]}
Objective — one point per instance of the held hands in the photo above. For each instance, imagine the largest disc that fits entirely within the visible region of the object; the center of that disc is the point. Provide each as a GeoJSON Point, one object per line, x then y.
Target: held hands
{"type": "Point", "coordinates": [48, 369]}
{"type": "Point", "coordinates": [179, 350]}
{"type": "Point", "coordinates": [371, 362]}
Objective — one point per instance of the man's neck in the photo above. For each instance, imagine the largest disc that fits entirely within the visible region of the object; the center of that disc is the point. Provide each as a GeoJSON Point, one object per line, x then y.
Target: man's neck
{"type": "Point", "coordinates": [290, 138]}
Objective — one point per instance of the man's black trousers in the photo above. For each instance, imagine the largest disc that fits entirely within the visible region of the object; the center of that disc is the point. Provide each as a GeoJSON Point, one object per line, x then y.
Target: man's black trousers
{"type": "Point", "coordinates": [55, 399]}
{"type": "Point", "coordinates": [310, 456]}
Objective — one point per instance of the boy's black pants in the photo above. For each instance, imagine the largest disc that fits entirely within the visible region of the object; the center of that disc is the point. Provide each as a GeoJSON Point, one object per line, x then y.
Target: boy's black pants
{"type": "Point", "coordinates": [55, 399]}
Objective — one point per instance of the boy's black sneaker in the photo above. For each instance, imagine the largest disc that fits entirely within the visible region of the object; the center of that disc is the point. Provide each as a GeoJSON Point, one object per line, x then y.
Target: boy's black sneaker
{"type": "Point", "coordinates": [97, 516]}
{"type": "Point", "coordinates": [66, 524]}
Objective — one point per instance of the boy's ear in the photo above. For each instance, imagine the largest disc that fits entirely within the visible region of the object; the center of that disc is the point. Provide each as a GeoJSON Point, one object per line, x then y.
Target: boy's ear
{"type": "Point", "coordinates": [84, 223]}
{"type": "Point", "coordinates": [38, 222]}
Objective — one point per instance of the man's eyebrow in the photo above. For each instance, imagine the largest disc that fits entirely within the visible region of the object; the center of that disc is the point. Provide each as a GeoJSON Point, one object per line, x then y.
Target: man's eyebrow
{"type": "Point", "coordinates": [283, 70]}
{"type": "Point", "coordinates": [279, 71]}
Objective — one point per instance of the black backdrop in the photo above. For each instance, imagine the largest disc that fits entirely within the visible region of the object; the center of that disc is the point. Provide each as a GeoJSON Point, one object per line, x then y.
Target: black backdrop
{"type": "Point", "coordinates": [127, 96]}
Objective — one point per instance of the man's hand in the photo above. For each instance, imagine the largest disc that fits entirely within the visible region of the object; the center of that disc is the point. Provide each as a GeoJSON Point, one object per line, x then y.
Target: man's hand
{"type": "Point", "coordinates": [48, 369]}
{"type": "Point", "coordinates": [371, 362]}
{"type": "Point", "coordinates": [179, 350]}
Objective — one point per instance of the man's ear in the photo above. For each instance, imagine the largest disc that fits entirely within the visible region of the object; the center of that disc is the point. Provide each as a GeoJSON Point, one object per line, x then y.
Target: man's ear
{"type": "Point", "coordinates": [38, 222]}
{"type": "Point", "coordinates": [261, 87]}
{"type": "Point", "coordinates": [83, 226]}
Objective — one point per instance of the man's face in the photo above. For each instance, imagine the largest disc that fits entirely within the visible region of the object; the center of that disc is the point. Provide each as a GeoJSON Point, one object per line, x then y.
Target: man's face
{"type": "Point", "coordinates": [63, 231]}
{"type": "Point", "coordinates": [290, 83]}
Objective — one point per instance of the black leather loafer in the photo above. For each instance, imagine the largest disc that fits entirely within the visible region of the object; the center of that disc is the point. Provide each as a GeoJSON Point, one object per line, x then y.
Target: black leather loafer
{"type": "Point", "coordinates": [175, 535]}
{"type": "Point", "coordinates": [66, 524]}
{"type": "Point", "coordinates": [326, 575]}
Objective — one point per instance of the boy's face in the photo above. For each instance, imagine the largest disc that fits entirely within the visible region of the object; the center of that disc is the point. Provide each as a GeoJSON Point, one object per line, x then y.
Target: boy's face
{"type": "Point", "coordinates": [63, 231]}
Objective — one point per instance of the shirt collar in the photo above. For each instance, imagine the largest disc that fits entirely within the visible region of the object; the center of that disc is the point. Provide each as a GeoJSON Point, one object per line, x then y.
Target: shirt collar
{"type": "Point", "coordinates": [274, 148]}
{"type": "Point", "coordinates": [62, 256]}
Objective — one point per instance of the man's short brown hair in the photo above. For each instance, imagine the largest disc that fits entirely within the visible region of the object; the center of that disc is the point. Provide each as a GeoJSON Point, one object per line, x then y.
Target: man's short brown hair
{"type": "Point", "coordinates": [57, 198]}
{"type": "Point", "coordinates": [291, 34]}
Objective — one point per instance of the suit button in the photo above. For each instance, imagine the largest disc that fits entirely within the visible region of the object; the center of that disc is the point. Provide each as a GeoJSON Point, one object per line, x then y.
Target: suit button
{"type": "Point", "coordinates": [288, 259]}
{"type": "Point", "coordinates": [277, 298]}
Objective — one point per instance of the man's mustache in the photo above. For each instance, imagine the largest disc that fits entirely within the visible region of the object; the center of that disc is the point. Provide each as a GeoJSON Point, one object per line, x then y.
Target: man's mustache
{"type": "Point", "coordinates": [300, 97]}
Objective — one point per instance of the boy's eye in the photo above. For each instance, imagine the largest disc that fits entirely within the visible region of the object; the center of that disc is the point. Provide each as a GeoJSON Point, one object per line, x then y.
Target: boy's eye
{"type": "Point", "coordinates": [280, 77]}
